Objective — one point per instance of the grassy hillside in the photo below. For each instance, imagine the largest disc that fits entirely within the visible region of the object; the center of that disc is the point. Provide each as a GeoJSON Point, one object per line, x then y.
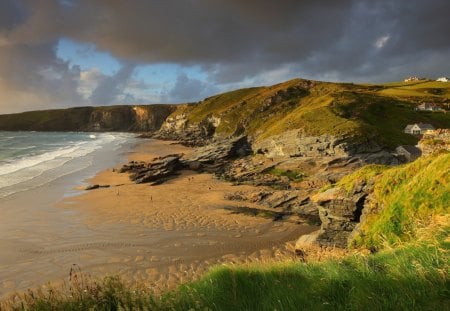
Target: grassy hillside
{"type": "Point", "coordinates": [345, 109]}
{"type": "Point", "coordinates": [405, 199]}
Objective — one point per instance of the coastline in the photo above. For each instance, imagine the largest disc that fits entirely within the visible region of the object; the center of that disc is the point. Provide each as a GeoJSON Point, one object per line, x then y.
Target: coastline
{"type": "Point", "coordinates": [159, 236]}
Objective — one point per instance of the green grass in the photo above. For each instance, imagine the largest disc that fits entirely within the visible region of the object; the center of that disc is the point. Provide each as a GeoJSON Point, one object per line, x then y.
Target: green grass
{"type": "Point", "coordinates": [292, 175]}
{"type": "Point", "coordinates": [412, 277]}
{"type": "Point", "coordinates": [379, 112]}
{"type": "Point", "coordinates": [405, 199]}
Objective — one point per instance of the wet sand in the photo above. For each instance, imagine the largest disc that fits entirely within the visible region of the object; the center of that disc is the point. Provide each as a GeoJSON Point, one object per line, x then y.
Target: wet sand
{"type": "Point", "coordinates": [157, 235]}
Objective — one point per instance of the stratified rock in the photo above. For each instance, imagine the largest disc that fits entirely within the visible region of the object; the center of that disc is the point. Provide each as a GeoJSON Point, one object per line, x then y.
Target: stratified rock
{"type": "Point", "coordinates": [216, 155]}
{"type": "Point", "coordinates": [340, 212]}
{"type": "Point", "coordinates": [158, 169]}
{"type": "Point", "coordinates": [292, 201]}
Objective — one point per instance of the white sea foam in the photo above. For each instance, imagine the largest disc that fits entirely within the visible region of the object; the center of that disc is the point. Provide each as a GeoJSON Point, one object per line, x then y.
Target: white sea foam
{"type": "Point", "coordinates": [30, 171]}
{"type": "Point", "coordinates": [78, 149]}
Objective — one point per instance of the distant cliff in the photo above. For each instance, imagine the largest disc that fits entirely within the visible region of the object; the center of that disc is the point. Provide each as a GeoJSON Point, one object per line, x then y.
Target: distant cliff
{"type": "Point", "coordinates": [142, 118]}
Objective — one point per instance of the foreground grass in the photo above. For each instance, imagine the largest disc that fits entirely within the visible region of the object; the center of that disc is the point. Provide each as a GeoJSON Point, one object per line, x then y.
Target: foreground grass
{"type": "Point", "coordinates": [412, 277]}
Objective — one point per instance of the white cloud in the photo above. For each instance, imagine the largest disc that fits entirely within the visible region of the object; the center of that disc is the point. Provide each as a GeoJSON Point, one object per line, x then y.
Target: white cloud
{"type": "Point", "coordinates": [381, 41]}
{"type": "Point", "coordinates": [89, 80]}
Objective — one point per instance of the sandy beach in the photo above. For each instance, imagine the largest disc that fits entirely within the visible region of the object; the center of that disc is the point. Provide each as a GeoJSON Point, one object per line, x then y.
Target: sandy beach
{"type": "Point", "coordinates": [159, 236]}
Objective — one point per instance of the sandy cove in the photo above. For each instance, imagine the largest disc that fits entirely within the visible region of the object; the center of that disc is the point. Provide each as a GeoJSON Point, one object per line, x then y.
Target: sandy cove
{"type": "Point", "coordinates": [161, 235]}
{"type": "Point", "coordinates": [181, 226]}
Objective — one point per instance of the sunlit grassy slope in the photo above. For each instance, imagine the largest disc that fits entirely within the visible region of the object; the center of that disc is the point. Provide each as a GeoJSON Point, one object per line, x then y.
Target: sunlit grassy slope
{"type": "Point", "coordinates": [404, 199]}
{"type": "Point", "coordinates": [345, 109]}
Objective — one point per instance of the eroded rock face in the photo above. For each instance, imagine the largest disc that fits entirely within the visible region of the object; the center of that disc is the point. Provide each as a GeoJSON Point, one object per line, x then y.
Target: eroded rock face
{"type": "Point", "coordinates": [178, 128]}
{"type": "Point", "coordinates": [292, 201]}
{"type": "Point", "coordinates": [340, 213]}
{"type": "Point", "coordinates": [216, 154]}
{"type": "Point", "coordinates": [295, 144]}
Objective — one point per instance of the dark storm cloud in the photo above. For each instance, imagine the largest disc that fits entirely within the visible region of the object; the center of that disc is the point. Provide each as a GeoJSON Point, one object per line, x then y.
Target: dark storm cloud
{"type": "Point", "coordinates": [233, 41]}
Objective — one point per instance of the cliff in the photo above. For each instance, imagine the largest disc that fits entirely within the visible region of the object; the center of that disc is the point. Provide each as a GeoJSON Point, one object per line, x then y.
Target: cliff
{"type": "Point", "coordinates": [142, 118]}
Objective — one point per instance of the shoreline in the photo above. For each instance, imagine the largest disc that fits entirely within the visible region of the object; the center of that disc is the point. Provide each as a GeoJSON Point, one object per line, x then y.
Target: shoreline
{"type": "Point", "coordinates": [184, 222]}
{"type": "Point", "coordinates": [159, 236]}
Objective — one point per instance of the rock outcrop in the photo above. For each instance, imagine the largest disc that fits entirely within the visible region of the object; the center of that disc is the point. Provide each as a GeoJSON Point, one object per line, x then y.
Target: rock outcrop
{"type": "Point", "coordinates": [211, 158]}
{"type": "Point", "coordinates": [295, 143]}
{"type": "Point", "coordinates": [340, 211]}
{"type": "Point", "coordinates": [216, 155]}
{"type": "Point", "coordinates": [434, 141]}
{"type": "Point", "coordinates": [156, 171]}
{"type": "Point", "coordinates": [293, 201]}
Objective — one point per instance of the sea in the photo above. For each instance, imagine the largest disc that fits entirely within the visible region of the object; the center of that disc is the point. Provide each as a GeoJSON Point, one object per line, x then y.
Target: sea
{"type": "Point", "coordinates": [29, 160]}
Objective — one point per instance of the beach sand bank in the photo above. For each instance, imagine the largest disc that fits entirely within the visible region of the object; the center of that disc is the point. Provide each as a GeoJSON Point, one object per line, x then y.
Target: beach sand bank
{"type": "Point", "coordinates": [159, 236]}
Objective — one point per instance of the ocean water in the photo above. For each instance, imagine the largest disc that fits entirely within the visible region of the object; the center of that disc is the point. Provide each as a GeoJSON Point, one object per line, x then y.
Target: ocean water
{"type": "Point", "coordinates": [33, 159]}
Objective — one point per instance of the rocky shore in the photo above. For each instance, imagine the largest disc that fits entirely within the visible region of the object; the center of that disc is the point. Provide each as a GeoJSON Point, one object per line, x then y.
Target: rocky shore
{"type": "Point", "coordinates": [285, 187]}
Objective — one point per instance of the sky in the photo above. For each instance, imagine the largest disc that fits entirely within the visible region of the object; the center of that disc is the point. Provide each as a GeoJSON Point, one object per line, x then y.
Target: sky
{"type": "Point", "coordinates": [65, 53]}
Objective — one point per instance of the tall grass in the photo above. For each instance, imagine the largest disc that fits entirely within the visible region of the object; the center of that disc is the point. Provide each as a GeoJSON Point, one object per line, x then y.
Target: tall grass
{"type": "Point", "coordinates": [405, 199]}
{"type": "Point", "coordinates": [411, 277]}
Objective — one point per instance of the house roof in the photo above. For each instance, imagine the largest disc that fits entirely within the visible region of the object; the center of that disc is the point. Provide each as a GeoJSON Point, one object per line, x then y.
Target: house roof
{"type": "Point", "coordinates": [425, 126]}
{"type": "Point", "coordinates": [422, 126]}
{"type": "Point", "coordinates": [411, 150]}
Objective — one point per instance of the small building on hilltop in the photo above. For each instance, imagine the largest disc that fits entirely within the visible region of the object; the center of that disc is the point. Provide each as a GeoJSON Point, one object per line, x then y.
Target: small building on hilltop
{"type": "Point", "coordinates": [442, 79]}
{"type": "Point", "coordinates": [428, 107]}
{"type": "Point", "coordinates": [408, 153]}
{"type": "Point", "coordinates": [418, 128]}
{"type": "Point", "coordinates": [413, 78]}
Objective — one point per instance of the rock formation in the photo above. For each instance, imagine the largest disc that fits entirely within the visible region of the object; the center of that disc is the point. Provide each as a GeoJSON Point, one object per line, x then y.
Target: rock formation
{"type": "Point", "coordinates": [340, 211]}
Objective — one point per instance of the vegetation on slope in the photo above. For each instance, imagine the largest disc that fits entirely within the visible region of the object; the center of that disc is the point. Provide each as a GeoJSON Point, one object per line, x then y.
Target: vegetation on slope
{"type": "Point", "coordinates": [404, 199]}
{"type": "Point", "coordinates": [355, 111]}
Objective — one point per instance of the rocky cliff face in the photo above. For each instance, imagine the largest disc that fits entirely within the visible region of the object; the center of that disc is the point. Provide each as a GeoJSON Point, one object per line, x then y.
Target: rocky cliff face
{"type": "Point", "coordinates": [112, 118]}
{"type": "Point", "coordinates": [296, 144]}
{"type": "Point", "coordinates": [340, 212]}
{"type": "Point", "coordinates": [177, 127]}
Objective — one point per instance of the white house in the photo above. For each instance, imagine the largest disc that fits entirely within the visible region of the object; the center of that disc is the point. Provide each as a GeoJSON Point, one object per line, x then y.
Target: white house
{"type": "Point", "coordinates": [418, 128]}
{"type": "Point", "coordinates": [428, 107]}
{"type": "Point", "coordinates": [442, 79]}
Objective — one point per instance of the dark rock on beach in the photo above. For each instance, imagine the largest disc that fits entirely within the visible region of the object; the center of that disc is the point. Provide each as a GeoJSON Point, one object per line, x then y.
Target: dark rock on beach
{"type": "Point", "coordinates": [159, 168]}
